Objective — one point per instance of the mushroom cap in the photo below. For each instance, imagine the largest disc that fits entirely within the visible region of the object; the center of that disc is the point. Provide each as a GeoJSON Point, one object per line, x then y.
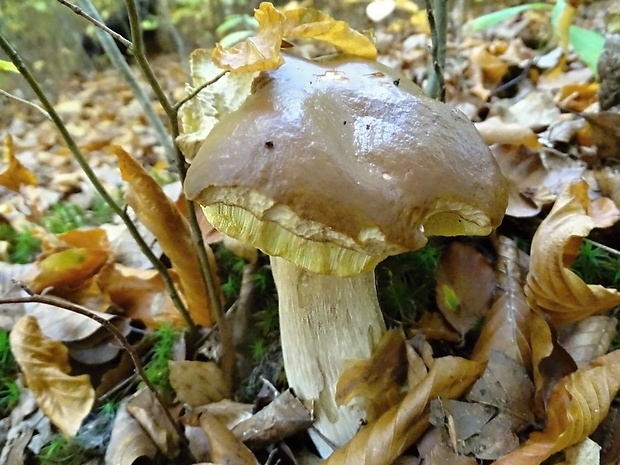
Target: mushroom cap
{"type": "Point", "coordinates": [335, 165]}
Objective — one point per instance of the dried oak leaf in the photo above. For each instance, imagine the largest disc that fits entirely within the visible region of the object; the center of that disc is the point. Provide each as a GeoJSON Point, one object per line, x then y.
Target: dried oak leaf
{"type": "Point", "coordinates": [162, 218]}
{"type": "Point", "coordinates": [551, 286]}
{"type": "Point", "coordinates": [65, 399]}
{"type": "Point", "coordinates": [575, 407]}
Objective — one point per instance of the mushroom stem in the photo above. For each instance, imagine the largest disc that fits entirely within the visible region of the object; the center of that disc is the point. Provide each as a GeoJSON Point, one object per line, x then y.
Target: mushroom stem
{"type": "Point", "coordinates": [325, 323]}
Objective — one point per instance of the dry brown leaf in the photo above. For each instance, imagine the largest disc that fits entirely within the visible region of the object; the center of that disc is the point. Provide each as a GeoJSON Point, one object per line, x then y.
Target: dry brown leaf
{"type": "Point", "coordinates": [147, 410]}
{"type": "Point", "coordinates": [506, 325]}
{"type": "Point", "coordinates": [14, 174]}
{"type": "Point", "coordinates": [576, 406]}
{"type": "Point", "coordinates": [225, 447]}
{"type": "Point", "coordinates": [379, 379]}
{"type": "Point", "coordinates": [590, 338]}
{"type": "Point", "coordinates": [162, 218]}
{"type": "Point", "coordinates": [551, 286]}
{"type": "Point", "coordinates": [197, 383]}
{"type": "Point", "coordinates": [384, 440]}
{"type": "Point", "coordinates": [129, 442]}
{"type": "Point", "coordinates": [465, 286]}
{"type": "Point", "coordinates": [65, 399]}
{"type": "Point", "coordinates": [283, 417]}
{"type": "Point", "coordinates": [495, 131]}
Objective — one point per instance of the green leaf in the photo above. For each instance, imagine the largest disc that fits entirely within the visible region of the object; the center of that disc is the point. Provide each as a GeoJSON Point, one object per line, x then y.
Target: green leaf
{"type": "Point", "coordinates": [8, 66]}
{"type": "Point", "coordinates": [587, 44]}
{"type": "Point", "coordinates": [484, 21]}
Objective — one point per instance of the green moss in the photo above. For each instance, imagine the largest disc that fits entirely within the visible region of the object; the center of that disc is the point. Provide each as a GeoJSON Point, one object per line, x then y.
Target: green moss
{"type": "Point", "coordinates": [63, 451]}
{"type": "Point", "coordinates": [596, 265]}
{"type": "Point", "coordinates": [23, 246]}
{"type": "Point", "coordinates": [156, 368]}
{"type": "Point", "coordinates": [9, 390]}
{"type": "Point", "coordinates": [406, 282]}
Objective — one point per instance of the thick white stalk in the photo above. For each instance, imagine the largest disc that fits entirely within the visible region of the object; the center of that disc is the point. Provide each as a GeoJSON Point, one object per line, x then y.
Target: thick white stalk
{"type": "Point", "coordinates": [325, 323]}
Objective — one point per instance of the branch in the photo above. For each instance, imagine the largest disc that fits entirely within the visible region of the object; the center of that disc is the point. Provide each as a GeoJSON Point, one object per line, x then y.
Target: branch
{"type": "Point", "coordinates": [438, 22]}
{"type": "Point", "coordinates": [135, 358]}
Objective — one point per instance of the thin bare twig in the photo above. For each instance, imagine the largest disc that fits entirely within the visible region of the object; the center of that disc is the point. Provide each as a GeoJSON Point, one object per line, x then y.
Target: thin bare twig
{"type": "Point", "coordinates": [25, 102]}
{"type": "Point", "coordinates": [437, 12]}
{"type": "Point", "coordinates": [78, 11]}
{"type": "Point", "coordinates": [177, 106]}
{"type": "Point", "coordinates": [228, 352]}
{"type": "Point", "coordinates": [113, 330]}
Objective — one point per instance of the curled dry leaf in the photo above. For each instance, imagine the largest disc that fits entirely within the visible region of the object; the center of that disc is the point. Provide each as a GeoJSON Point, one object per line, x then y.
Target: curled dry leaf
{"type": "Point", "coordinates": [129, 442]}
{"type": "Point", "coordinates": [377, 380]}
{"type": "Point", "coordinates": [506, 324]}
{"type": "Point", "coordinates": [551, 286]}
{"type": "Point", "coordinates": [65, 399]}
{"type": "Point", "coordinates": [162, 218]}
{"type": "Point", "coordinates": [384, 440]}
{"type": "Point", "coordinates": [262, 52]}
{"type": "Point", "coordinates": [575, 407]}
{"type": "Point", "coordinates": [14, 174]}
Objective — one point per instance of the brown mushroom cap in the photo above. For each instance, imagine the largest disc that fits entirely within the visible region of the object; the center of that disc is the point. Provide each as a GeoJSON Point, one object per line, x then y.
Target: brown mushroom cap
{"type": "Point", "coordinates": [335, 165]}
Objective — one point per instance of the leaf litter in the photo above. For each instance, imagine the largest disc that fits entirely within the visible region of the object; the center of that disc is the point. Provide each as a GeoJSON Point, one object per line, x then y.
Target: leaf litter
{"type": "Point", "coordinates": [537, 357]}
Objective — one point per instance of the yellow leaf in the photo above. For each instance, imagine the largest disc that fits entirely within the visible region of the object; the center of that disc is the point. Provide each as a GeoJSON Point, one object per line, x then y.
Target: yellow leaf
{"type": "Point", "coordinates": [258, 53]}
{"type": "Point", "coordinates": [15, 174]}
{"type": "Point", "coordinates": [262, 52]}
{"type": "Point", "coordinates": [562, 24]}
{"type": "Point", "coordinates": [309, 23]}
{"type": "Point", "coordinates": [575, 407]}
{"type": "Point", "coordinates": [68, 268]}
{"type": "Point", "coordinates": [551, 286]}
{"type": "Point", "coordinates": [225, 447]}
{"type": "Point", "coordinates": [163, 219]}
{"type": "Point", "coordinates": [64, 399]}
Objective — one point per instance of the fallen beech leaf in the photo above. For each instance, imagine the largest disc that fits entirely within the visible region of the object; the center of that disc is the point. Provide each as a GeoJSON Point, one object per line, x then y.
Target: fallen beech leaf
{"type": "Point", "coordinates": [465, 286]}
{"type": "Point", "coordinates": [262, 52]}
{"type": "Point", "coordinates": [378, 380]}
{"type": "Point", "coordinates": [163, 219]}
{"type": "Point", "coordinates": [14, 174]}
{"type": "Point", "coordinates": [551, 286]}
{"type": "Point", "coordinates": [225, 447]}
{"type": "Point", "coordinates": [385, 439]}
{"type": "Point", "coordinates": [495, 131]}
{"type": "Point", "coordinates": [506, 324]}
{"type": "Point", "coordinates": [68, 268]}
{"type": "Point", "coordinates": [129, 442]}
{"type": "Point", "coordinates": [202, 112]}
{"type": "Point", "coordinates": [283, 417]}
{"type": "Point", "coordinates": [576, 406]}
{"type": "Point", "coordinates": [65, 400]}
{"type": "Point", "coordinates": [590, 338]}
{"type": "Point", "coordinates": [197, 383]}
{"type": "Point", "coordinates": [147, 410]}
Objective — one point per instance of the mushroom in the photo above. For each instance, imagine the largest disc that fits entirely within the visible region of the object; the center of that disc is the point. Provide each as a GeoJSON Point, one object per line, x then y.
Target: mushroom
{"type": "Point", "coordinates": [329, 167]}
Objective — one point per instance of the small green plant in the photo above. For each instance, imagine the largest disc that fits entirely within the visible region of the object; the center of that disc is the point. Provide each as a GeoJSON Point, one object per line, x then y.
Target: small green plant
{"type": "Point", "coordinates": [63, 451]}
{"type": "Point", "coordinates": [596, 265]}
{"type": "Point", "coordinates": [67, 216]}
{"type": "Point", "coordinates": [156, 368]}
{"type": "Point", "coordinates": [23, 246]}
{"type": "Point", "coordinates": [9, 389]}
